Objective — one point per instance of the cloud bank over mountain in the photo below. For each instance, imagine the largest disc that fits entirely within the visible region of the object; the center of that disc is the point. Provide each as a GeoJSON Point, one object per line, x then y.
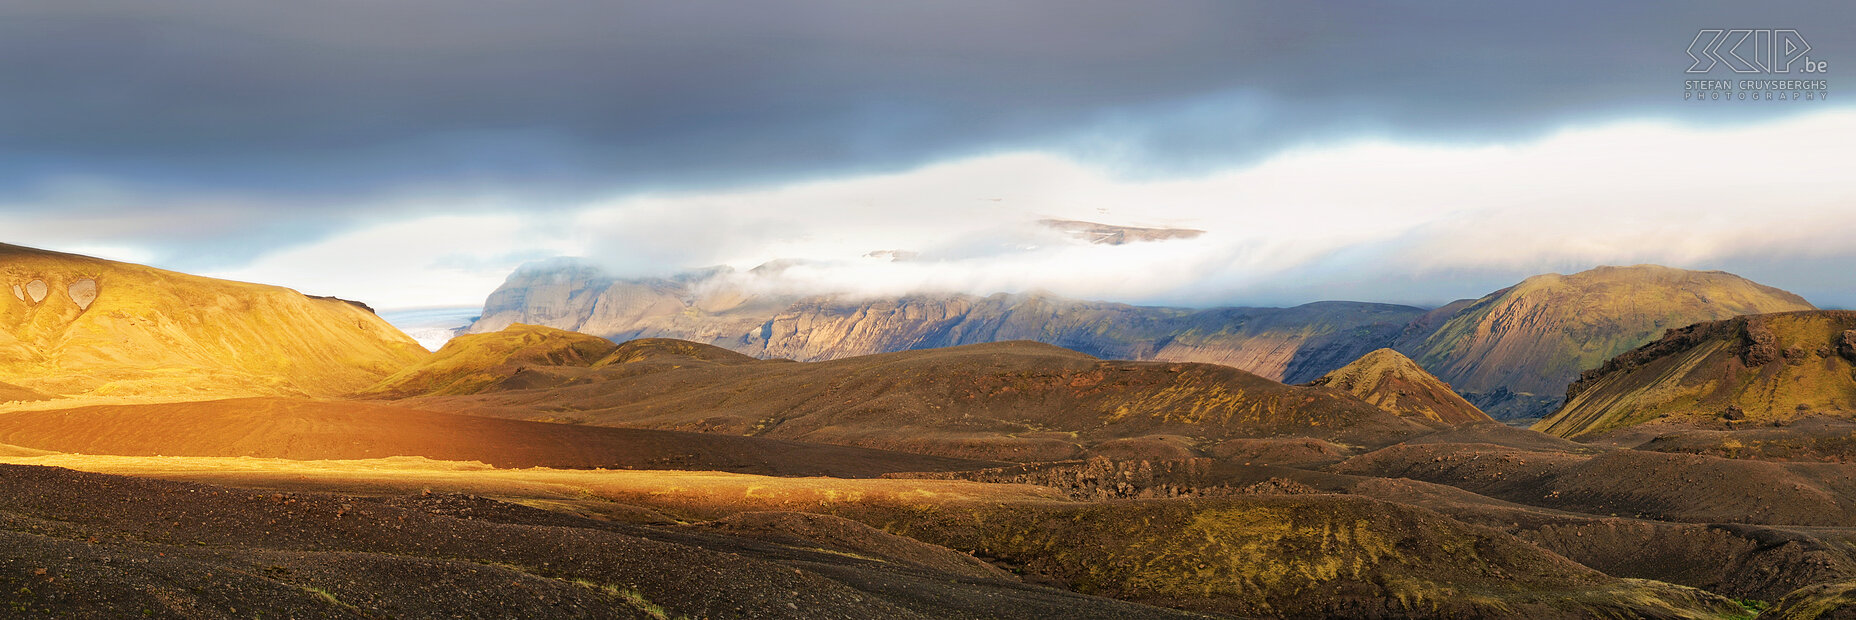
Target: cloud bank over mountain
{"type": "Point", "coordinates": [1373, 221]}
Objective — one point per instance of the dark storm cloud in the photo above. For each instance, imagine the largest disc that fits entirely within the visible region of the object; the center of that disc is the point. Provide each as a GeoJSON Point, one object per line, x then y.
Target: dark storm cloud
{"type": "Point", "coordinates": [313, 106]}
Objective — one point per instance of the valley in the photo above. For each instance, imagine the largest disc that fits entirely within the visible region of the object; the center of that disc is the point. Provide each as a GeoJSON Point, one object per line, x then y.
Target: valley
{"type": "Point", "coordinates": [562, 474]}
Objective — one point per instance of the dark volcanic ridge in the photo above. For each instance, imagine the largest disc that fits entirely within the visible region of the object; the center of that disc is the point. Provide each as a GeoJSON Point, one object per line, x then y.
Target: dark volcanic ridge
{"type": "Point", "coordinates": [1017, 401]}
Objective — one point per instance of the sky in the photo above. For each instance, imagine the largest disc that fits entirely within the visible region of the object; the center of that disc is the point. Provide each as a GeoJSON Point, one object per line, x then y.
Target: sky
{"type": "Point", "coordinates": [411, 154]}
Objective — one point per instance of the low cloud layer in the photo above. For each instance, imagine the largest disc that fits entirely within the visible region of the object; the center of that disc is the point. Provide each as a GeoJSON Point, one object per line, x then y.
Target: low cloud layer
{"type": "Point", "coordinates": [1371, 220]}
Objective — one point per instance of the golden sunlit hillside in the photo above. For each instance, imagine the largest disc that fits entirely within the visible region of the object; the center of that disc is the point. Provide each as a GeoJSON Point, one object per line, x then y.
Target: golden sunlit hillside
{"type": "Point", "coordinates": [78, 326]}
{"type": "Point", "coordinates": [1395, 383]}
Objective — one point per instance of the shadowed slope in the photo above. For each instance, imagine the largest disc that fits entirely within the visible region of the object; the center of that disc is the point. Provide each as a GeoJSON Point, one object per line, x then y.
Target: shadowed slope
{"type": "Point", "coordinates": [314, 430]}
{"type": "Point", "coordinates": [75, 325]}
{"type": "Point", "coordinates": [1393, 382]}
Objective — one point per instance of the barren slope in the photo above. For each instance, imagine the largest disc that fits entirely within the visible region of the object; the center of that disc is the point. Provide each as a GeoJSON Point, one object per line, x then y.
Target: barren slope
{"type": "Point", "coordinates": [316, 430]}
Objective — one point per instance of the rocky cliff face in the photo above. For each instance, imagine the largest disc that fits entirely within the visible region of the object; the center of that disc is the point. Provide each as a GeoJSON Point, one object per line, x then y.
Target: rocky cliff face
{"type": "Point", "coordinates": [1287, 344]}
{"type": "Point", "coordinates": [571, 295]}
{"type": "Point", "coordinates": [79, 326]}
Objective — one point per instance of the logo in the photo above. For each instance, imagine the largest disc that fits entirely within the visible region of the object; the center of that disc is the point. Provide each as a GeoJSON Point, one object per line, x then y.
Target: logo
{"type": "Point", "coordinates": [1769, 51]}
{"type": "Point", "coordinates": [1772, 51]}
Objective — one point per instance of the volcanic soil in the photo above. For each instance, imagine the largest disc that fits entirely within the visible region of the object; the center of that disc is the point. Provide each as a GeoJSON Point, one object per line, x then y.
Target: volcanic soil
{"type": "Point", "coordinates": [316, 430]}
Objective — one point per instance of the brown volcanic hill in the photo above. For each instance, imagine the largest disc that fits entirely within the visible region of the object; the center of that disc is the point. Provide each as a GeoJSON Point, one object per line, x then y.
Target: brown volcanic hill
{"type": "Point", "coordinates": [469, 363]}
{"type": "Point", "coordinates": [1290, 344]}
{"type": "Point", "coordinates": [1012, 400]}
{"type": "Point", "coordinates": [526, 357]}
{"type": "Point", "coordinates": [673, 352]}
{"type": "Point", "coordinates": [75, 325]}
{"type": "Point", "coordinates": [1533, 338]}
{"type": "Point", "coordinates": [1395, 383]}
{"type": "Point", "coordinates": [321, 430]}
{"type": "Point", "coordinates": [1760, 369]}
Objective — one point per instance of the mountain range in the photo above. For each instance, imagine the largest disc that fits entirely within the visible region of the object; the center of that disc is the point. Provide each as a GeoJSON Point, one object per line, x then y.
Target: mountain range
{"type": "Point", "coordinates": [177, 446]}
{"type": "Point", "coordinates": [1510, 352]}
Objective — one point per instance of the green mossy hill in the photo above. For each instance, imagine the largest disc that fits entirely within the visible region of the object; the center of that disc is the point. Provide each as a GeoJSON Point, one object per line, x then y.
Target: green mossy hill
{"type": "Point", "coordinates": [1740, 371]}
